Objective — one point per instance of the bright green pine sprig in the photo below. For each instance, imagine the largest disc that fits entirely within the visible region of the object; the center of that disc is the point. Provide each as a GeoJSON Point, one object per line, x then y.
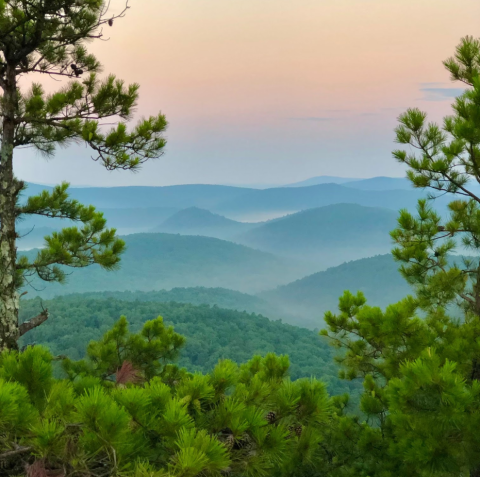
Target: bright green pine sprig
{"type": "Point", "coordinates": [49, 38]}
{"type": "Point", "coordinates": [72, 246]}
{"type": "Point", "coordinates": [127, 410]}
{"type": "Point", "coordinates": [419, 360]}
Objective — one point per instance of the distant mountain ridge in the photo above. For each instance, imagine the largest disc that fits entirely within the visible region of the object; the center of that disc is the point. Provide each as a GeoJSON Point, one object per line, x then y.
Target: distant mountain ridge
{"type": "Point", "coordinates": [370, 183]}
{"type": "Point", "coordinates": [327, 235]}
{"type": "Point", "coordinates": [310, 297]}
{"type": "Point", "coordinates": [322, 180]}
{"type": "Point", "coordinates": [179, 197]}
{"type": "Point", "coordinates": [337, 224]}
{"type": "Point", "coordinates": [196, 221]}
{"type": "Point", "coordinates": [164, 261]}
{"type": "Point", "coordinates": [143, 209]}
{"type": "Point", "coordinates": [196, 217]}
{"type": "Point", "coordinates": [381, 183]}
{"type": "Point", "coordinates": [293, 199]}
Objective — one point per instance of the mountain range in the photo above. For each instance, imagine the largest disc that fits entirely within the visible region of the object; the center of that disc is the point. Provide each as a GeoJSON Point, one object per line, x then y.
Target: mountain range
{"type": "Point", "coordinates": [205, 243]}
{"type": "Point", "coordinates": [309, 298]}
{"type": "Point", "coordinates": [373, 183]}
{"type": "Point", "coordinates": [269, 203]}
{"type": "Point", "coordinates": [246, 204]}
{"type": "Point", "coordinates": [196, 221]}
{"type": "Point", "coordinates": [164, 261]}
{"type": "Point", "coordinates": [203, 270]}
{"type": "Point", "coordinates": [326, 235]}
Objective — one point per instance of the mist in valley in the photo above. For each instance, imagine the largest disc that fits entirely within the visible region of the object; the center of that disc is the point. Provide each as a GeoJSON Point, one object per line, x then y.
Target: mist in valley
{"type": "Point", "coordinates": [291, 265]}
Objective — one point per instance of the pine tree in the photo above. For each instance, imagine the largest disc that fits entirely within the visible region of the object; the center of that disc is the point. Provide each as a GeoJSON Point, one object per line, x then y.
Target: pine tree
{"type": "Point", "coordinates": [47, 38]}
{"type": "Point", "coordinates": [420, 358]}
{"type": "Point", "coordinates": [150, 418]}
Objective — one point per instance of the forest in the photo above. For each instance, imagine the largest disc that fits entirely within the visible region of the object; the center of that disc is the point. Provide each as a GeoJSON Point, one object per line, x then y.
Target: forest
{"type": "Point", "coordinates": [328, 327]}
{"type": "Point", "coordinates": [212, 334]}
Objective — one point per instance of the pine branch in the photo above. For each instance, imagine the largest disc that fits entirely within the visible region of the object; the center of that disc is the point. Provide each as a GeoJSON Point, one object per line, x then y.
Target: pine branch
{"type": "Point", "coordinates": [33, 323]}
{"type": "Point", "coordinates": [14, 453]}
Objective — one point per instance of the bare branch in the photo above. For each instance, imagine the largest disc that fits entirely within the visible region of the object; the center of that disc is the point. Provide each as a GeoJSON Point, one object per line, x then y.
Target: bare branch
{"type": "Point", "coordinates": [33, 323]}
{"type": "Point", "coordinates": [13, 453]}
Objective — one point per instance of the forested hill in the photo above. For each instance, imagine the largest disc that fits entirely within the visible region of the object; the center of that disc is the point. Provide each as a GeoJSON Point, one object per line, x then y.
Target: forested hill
{"type": "Point", "coordinates": [221, 297]}
{"type": "Point", "coordinates": [163, 261]}
{"type": "Point", "coordinates": [330, 234]}
{"type": "Point", "coordinates": [310, 297]}
{"type": "Point", "coordinates": [196, 221]}
{"type": "Point", "coordinates": [212, 333]}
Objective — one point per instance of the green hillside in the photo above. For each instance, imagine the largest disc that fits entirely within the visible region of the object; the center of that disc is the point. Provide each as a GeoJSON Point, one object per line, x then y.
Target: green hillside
{"type": "Point", "coordinates": [310, 297]}
{"type": "Point", "coordinates": [222, 297]}
{"type": "Point", "coordinates": [329, 235]}
{"type": "Point", "coordinates": [212, 333]}
{"type": "Point", "coordinates": [163, 261]}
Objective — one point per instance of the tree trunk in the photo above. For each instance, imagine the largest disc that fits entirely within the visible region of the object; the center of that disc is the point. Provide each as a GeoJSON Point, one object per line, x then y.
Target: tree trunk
{"type": "Point", "coordinates": [475, 373]}
{"type": "Point", "coordinates": [9, 189]}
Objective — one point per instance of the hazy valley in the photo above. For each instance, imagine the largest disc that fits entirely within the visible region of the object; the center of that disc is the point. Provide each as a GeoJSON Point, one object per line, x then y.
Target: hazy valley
{"type": "Point", "coordinates": [186, 244]}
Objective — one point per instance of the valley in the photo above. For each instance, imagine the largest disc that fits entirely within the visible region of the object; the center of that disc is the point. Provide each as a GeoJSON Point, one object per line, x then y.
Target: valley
{"type": "Point", "coordinates": [239, 239]}
{"type": "Point", "coordinates": [292, 268]}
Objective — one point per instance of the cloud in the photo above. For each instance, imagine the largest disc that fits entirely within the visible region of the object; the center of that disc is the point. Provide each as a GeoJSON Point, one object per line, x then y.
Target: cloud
{"type": "Point", "coordinates": [437, 92]}
{"type": "Point", "coordinates": [314, 118]}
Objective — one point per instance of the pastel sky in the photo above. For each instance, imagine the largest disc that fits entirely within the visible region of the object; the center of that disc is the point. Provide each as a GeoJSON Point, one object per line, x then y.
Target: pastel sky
{"type": "Point", "coordinates": [273, 91]}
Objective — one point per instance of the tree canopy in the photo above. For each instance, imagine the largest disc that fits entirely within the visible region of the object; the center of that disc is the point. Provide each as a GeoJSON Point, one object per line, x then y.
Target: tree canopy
{"type": "Point", "coordinates": [49, 38]}
{"type": "Point", "coordinates": [420, 358]}
{"type": "Point", "coordinates": [126, 409]}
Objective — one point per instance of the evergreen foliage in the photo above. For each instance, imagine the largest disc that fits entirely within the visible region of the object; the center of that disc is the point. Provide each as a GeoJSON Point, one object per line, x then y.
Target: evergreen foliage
{"type": "Point", "coordinates": [419, 360]}
{"type": "Point", "coordinates": [127, 410]}
{"type": "Point", "coordinates": [212, 334]}
{"type": "Point", "coordinates": [48, 38]}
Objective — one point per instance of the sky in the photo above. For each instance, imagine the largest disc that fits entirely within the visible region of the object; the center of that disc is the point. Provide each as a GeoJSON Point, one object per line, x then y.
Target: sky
{"type": "Point", "coordinates": [271, 92]}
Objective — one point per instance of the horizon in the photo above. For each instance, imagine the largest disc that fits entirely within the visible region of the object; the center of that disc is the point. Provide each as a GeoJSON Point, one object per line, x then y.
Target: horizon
{"type": "Point", "coordinates": [246, 186]}
{"type": "Point", "coordinates": [272, 92]}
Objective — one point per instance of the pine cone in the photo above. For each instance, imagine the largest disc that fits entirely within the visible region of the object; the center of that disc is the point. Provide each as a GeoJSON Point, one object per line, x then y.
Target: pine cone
{"type": "Point", "coordinates": [271, 416]}
{"type": "Point", "coordinates": [298, 430]}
